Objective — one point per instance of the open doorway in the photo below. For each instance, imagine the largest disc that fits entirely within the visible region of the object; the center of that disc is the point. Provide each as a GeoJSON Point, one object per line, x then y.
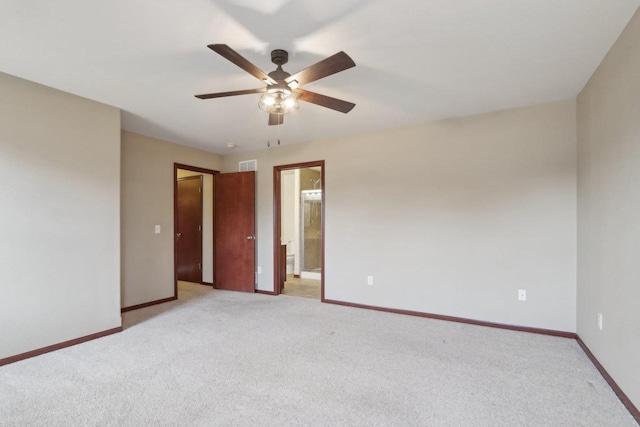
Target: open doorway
{"type": "Point", "coordinates": [193, 226]}
{"type": "Point", "coordinates": [299, 194]}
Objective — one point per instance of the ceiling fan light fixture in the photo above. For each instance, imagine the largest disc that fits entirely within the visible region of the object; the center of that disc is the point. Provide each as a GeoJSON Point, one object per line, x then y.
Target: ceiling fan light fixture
{"type": "Point", "coordinates": [278, 102]}
{"type": "Point", "coordinates": [284, 92]}
{"type": "Point", "coordinates": [281, 88]}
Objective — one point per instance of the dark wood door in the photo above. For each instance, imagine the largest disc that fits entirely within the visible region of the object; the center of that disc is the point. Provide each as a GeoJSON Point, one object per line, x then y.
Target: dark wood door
{"type": "Point", "coordinates": [234, 225]}
{"type": "Point", "coordinates": [189, 232]}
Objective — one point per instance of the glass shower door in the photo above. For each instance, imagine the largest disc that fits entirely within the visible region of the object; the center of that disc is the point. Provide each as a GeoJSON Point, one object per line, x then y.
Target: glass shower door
{"type": "Point", "coordinates": [311, 231]}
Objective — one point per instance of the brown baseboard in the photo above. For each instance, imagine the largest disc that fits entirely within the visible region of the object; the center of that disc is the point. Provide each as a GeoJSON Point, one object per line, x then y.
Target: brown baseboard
{"type": "Point", "coordinates": [147, 304]}
{"type": "Point", "coordinates": [458, 319]}
{"type": "Point", "coordinates": [54, 347]}
{"type": "Point", "coordinates": [614, 386]}
{"type": "Point", "coordinates": [259, 291]}
{"type": "Point", "coordinates": [207, 284]}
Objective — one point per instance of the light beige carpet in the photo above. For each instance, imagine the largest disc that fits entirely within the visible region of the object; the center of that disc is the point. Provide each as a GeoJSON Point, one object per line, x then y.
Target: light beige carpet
{"type": "Point", "coordinates": [226, 358]}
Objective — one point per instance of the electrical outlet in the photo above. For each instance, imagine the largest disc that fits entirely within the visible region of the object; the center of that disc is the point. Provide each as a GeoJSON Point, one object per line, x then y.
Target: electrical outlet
{"type": "Point", "coordinates": [600, 321]}
{"type": "Point", "coordinates": [370, 280]}
{"type": "Point", "coordinates": [157, 229]}
{"type": "Point", "coordinates": [259, 270]}
{"type": "Point", "coordinates": [522, 295]}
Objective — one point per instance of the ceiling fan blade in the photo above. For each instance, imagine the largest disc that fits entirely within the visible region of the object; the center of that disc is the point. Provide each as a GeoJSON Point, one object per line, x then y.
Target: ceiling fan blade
{"type": "Point", "coordinates": [232, 93]}
{"type": "Point", "coordinates": [276, 119]}
{"type": "Point", "coordinates": [331, 65]}
{"type": "Point", "coordinates": [325, 101]}
{"type": "Point", "coordinates": [240, 61]}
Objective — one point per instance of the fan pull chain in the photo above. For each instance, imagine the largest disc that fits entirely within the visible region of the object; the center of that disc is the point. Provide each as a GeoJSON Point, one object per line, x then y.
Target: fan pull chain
{"type": "Point", "coordinates": [278, 139]}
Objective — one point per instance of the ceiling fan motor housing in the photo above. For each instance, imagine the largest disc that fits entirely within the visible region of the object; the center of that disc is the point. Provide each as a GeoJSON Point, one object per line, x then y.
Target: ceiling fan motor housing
{"type": "Point", "coordinates": [279, 56]}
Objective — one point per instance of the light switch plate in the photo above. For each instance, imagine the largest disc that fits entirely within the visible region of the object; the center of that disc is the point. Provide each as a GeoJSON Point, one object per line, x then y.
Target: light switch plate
{"type": "Point", "coordinates": [157, 229]}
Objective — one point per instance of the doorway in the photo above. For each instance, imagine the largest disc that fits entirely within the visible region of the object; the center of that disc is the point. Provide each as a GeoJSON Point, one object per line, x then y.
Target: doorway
{"type": "Point", "coordinates": [193, 225]}
{"type": "Point", "coordinates": [227, 229]}
{"type": "Point", "coordinates": [299, 194]}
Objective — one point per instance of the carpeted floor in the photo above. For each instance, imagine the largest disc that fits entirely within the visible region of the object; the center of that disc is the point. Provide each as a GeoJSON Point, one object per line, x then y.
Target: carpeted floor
{"type": "Point", "coordinates": [226, 358]}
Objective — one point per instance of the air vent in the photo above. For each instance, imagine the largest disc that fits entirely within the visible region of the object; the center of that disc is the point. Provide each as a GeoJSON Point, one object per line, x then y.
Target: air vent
{"type": "Point", "coordinates": [248, 165]}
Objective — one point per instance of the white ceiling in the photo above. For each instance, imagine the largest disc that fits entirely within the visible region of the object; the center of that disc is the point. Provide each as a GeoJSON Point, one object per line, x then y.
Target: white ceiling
{"type": "Point", "coordinates": [417, 60]}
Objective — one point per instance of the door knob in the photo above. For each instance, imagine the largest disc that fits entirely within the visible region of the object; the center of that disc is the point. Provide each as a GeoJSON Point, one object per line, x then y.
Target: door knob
{"type": "Point", "coordinates": [179, 235]}
{"type": "Point", "coordinates": [251, 237]}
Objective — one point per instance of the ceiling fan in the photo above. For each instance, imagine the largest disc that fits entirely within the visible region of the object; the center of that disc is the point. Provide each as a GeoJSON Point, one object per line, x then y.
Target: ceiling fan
{"type": "Point", "coordinates": [282, 90]}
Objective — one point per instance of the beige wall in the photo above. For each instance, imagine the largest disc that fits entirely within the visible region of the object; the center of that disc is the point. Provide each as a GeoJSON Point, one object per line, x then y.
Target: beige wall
{"type": "Point", "coordinates": [609, 211]}
{"type": "Point", "coordinates": [60, 216]}
{"type": "Point", "coordinates": [207, 222]}
{"type": "Point", "coordinates": [147, 200]}
{"type": "Point", "coordinates": [450, 217]}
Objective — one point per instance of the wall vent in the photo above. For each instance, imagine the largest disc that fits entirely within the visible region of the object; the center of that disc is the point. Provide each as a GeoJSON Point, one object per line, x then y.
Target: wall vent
{"type": "Point", "coordinates": [248, 165]}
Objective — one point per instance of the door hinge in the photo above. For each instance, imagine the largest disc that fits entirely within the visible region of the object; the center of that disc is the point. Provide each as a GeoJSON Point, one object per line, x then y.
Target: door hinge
{"type": "Point", "coordinates": [199, 189]}
{"type": "Point", "coordinates": [199, 266]}
{"type": "Point", "coordinates": [199, 228]}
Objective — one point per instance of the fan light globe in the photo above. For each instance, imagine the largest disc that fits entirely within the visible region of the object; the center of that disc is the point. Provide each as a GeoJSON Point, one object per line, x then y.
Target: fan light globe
{"type": "Point", "coordinates": [278, 102]}
{"type": "Point", "coordinates": [268, 100]}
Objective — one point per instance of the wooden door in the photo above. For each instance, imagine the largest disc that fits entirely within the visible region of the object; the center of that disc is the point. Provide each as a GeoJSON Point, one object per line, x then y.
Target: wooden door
{"type": "Point", "coordinates": [189, 231]}
{"type": "Point", "coordinates": [234, 225]}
